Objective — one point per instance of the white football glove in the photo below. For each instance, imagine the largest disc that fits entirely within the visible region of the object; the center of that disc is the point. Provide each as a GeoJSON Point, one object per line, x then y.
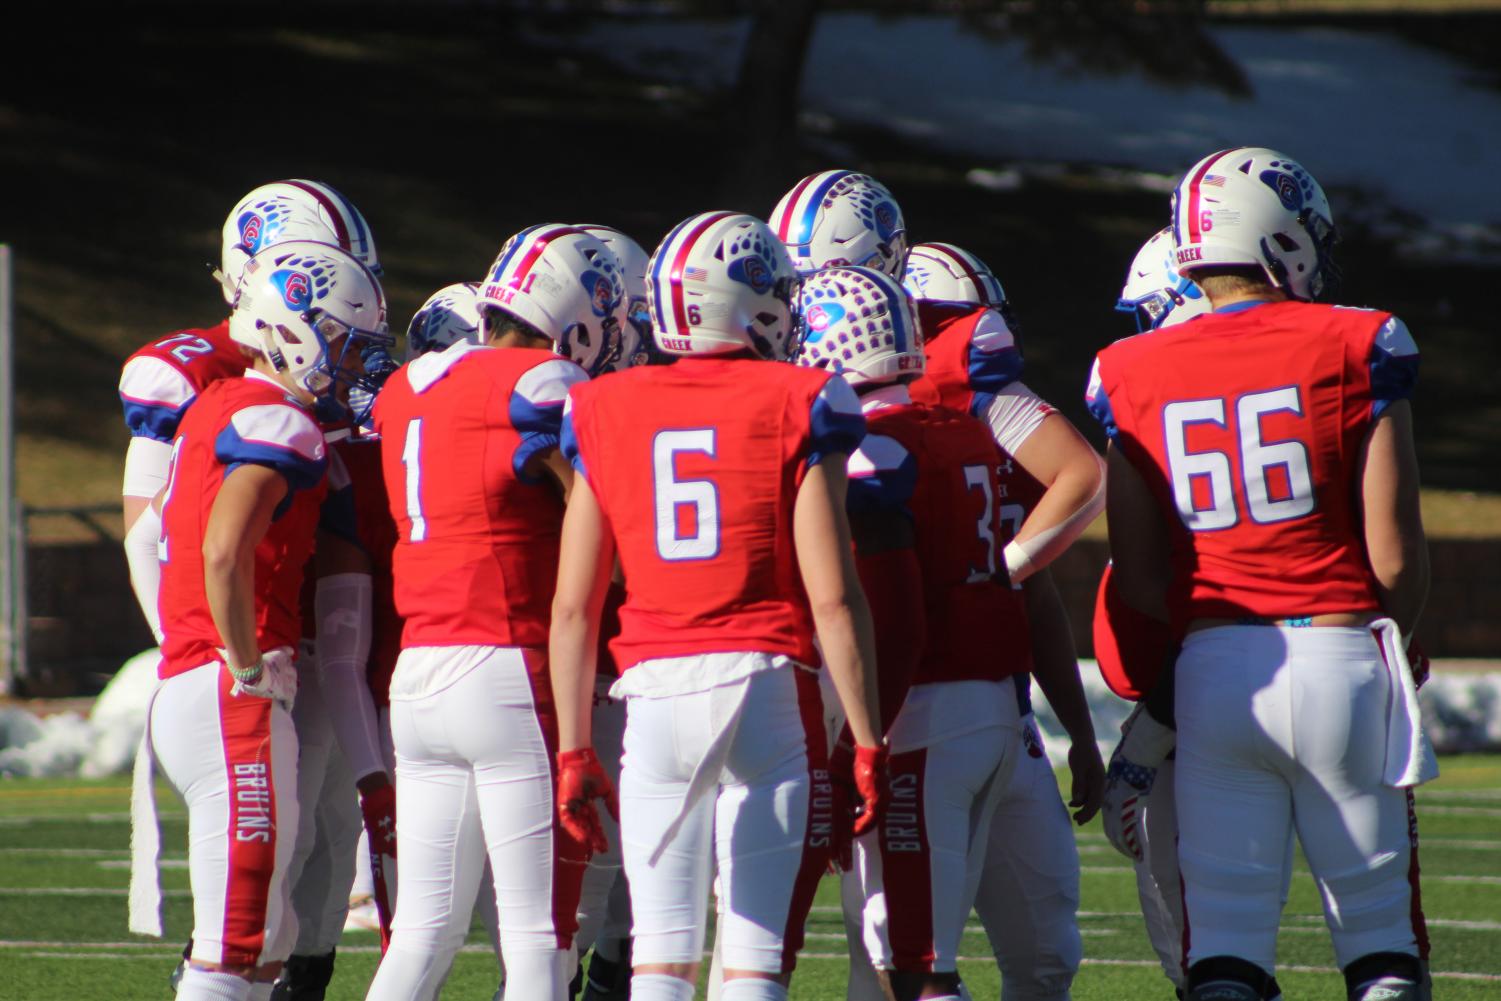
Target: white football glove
{"type": "Point", "coordinates": [1145, 744]}
{"type": "Point", "coordinates": [278, 680]}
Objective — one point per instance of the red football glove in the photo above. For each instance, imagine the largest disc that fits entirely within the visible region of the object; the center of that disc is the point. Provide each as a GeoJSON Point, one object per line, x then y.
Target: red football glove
{"type": "Point", "coordinates": [580, 781]}
{"type": "Point", "coordinates": [379, 807]}
{"type": "Point", "coordinates": [873, 785]}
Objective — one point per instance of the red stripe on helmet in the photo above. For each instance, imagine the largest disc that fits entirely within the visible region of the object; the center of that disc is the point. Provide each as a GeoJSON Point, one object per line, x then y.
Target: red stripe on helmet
{"type": "Point", "coordinates": [969, 272]}
{"type": "Point", "coordinates": [539, 244]}
{"type": "Point", "coordinates": [675, 276]}
{"type": "Point", "coordinates": [340, 230]}
{"type": "Point", "coordinates": [785, 223]}
{"type": "Point", "coordinates": [1193, 193]}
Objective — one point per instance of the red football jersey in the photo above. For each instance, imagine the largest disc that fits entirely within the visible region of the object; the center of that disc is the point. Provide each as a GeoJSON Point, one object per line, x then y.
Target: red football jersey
{"type": "Point", "coordinates": [972, 354]}
{"type": "Point", "coordinates": [476, 558]}
{"type": "Point", "coordinates": [696, 466]}
{"type": "Point", "coordinates": [1247, 426]}
{"type": "Point", "coordinates": [161, 380]}
{"type": "Point", "coordinates": [939, 466]}
{"type": "Point", "coordinates": [375, 532]}
{"type": "Point", "coordinates": [235, 422]}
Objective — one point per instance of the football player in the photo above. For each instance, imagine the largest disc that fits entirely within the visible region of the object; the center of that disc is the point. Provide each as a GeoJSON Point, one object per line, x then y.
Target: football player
{"type": "Point", "coordinates": [974, 363]}
{"type": "Point", "coordinates": [1264, 504]}
{"type": "Point", "coordinates": [924, 505]}
{"type": "Point", "coordinates": [162, 379]}
{"type": "Point", "coordinates": [238, 511]}
{"type": "Point", "coordinates": [719, 482]}
{"type": "Point", "coordinates": [469, 439]}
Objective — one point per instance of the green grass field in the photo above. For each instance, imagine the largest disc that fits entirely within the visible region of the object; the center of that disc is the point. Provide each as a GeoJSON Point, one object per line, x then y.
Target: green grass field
{"type": "Point", "coordinates": [64, 869]}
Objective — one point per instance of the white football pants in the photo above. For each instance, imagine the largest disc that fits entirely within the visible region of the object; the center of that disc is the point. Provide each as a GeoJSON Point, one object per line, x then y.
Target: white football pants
{"type": "Point", "coordinates": [233, 759]}
{"type": "Point", "coordinates": [474, 776]}
{"type": "Point", "coordinates": [1028, 898]}
{"type": "Point", "coordinates": [604, 870]}
{"type": "Point", "coordinates": [1284, 729]}
{"type": "Point", "coordinates": [766, 817]}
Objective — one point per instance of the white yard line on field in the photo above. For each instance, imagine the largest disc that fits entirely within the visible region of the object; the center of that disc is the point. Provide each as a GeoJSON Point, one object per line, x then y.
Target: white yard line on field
{"type": "Point", "coordinates": [153, 951]}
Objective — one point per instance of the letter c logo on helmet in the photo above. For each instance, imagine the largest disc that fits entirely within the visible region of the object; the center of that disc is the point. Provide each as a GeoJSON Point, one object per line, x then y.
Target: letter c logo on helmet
{"type": "Point", "coordinates": [251, 226]}
{"type": "Point", "coordinates": [295, 287]}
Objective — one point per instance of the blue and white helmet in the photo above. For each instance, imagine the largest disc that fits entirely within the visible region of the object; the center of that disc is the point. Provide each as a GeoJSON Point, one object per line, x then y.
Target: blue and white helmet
{"type": "Point", "coordinates": [722, 282]}
{"type": "Point", "coordinates": [1254, 206]}
{"type": "Point", "coordinates": [838, 218]}
{"type": "Point", "coordinates": [568, 285]}
{"type": "Point", "coordinates": [1155, 293]}
{"type": "Point", "coordinates": [942, 272]}
{"type": "Point", "coordinates": [450, 315]}
{"type": "Point", "coordinates": [307, 307]}
{"type": "Point", "coordinates": [636, 342]}
{"type": "Point", "coordinates": [861, 324]}
{"type": "Point", "coordinates": [291, 210]}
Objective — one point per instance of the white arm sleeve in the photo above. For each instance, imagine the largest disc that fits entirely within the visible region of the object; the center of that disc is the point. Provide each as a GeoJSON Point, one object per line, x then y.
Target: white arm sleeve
{"type": "Point", "coordinates": [342, 604]}
{"type": "Point", "coordinates": [1013, 414]}
{"type": "Point", "coordinates": [145, 570]}
{"type": "Point", "coordinates": [147, 462]}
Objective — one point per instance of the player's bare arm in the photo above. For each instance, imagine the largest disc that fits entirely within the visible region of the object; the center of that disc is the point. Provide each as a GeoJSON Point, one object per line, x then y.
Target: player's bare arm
{"type": "Point", "coordinates": [1055, 665]}
{"type": "Point", "coordinates": [1394, 537]}
{"type": "Point", "coordinates": [1138, 538]}
{"type": "Point", "coordinates": [556, 468]}
{"type": "Point", "coordinates": [585, 562]}
{"type": "Point", "coordinates": [841, 614]}
{"type": "Point", "coordinates": [241, 514]}
{"type": "Point", "coordinates": [1057, 455]}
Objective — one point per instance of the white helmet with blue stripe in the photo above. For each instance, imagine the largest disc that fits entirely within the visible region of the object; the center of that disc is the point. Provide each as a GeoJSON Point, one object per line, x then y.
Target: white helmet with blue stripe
{"type": "Point", "coordinates": [942, 272]}
{"type": "Point", "coordinates": [449, 316]}
{"type": "Point", "coordinates": [722, 282]}
{"type": "Point", "coordinates": [1254, 206]}
{"type": "Point", "coordinates": [861, 324]}
{"type": "Point", "coordinates": [291, 210]}
{"type": "Point", "coordinates": [1155, 292]}
{"type": "Point", "coordinates": [566, 284]}
{"type": "Point", "coordinates": [839, 218]}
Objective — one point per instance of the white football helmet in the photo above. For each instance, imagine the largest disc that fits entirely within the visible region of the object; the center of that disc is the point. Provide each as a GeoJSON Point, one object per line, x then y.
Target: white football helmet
{"type": "Point", "coordinates": [291, 210]}
{"type": "Point", "coordinates": [722, 282]}
{"type": "Point", "coordinates": [1254, 206]}
{"type": "Point", "coordinates": [839, 218]}
{"type": "Point", "coordinates": [566, 284]}
{"type": "Point", "coordinates": [450, 315]}
{"type": "Point", "coordinates": [1155, 293]}
{"type": "Point", "coordinates": [945, 273]}
{"type": "Point", "coordinates": [307, 306]}
{"type": "Point", "coordinates": [861, 324]}
{"type": "Point", "coordinates": [637, 347]}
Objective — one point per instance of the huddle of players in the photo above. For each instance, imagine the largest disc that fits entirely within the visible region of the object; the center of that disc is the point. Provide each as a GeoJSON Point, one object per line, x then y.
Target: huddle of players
{"type": "Point", "coordinates": [720, 514]}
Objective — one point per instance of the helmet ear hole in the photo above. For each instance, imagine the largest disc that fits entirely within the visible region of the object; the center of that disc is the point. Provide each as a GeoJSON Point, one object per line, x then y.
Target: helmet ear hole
{"type": "Point", "coordinates": [1286, 242]}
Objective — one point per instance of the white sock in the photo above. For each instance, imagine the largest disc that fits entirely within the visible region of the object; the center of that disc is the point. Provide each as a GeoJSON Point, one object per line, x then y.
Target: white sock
{"type": "Point", "coordinates": [660, 987]}
{"type": "Point", "coordinates": [206, 985]}
{"type": "Point", "coordinates": [752, 989]}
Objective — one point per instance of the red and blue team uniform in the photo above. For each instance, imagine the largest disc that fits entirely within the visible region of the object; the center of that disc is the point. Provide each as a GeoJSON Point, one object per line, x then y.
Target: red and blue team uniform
{"type": "Point", "coordinates": [160, 381]}
{"type": "Point", "coordinates": [972, 356]}
{"type": "Point", "coordinates": [953, 742]}
{"type": "Point", "coordinates": [476, 559]}
{"type": "Point", "coordinates": [234, 758]}
{"type": "Point", "coordinates": [699, 497]}
{"type": "Point", "coordinates": [248, 421]}
{"type": "Point", "coordinates": [1257, 488]}
{"type": "Point", "coordinates": [696, 468]}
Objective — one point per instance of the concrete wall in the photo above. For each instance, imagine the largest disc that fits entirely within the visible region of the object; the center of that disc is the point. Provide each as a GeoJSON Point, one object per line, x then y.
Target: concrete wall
{"type": "Point", "coordinates": [84, 621]}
